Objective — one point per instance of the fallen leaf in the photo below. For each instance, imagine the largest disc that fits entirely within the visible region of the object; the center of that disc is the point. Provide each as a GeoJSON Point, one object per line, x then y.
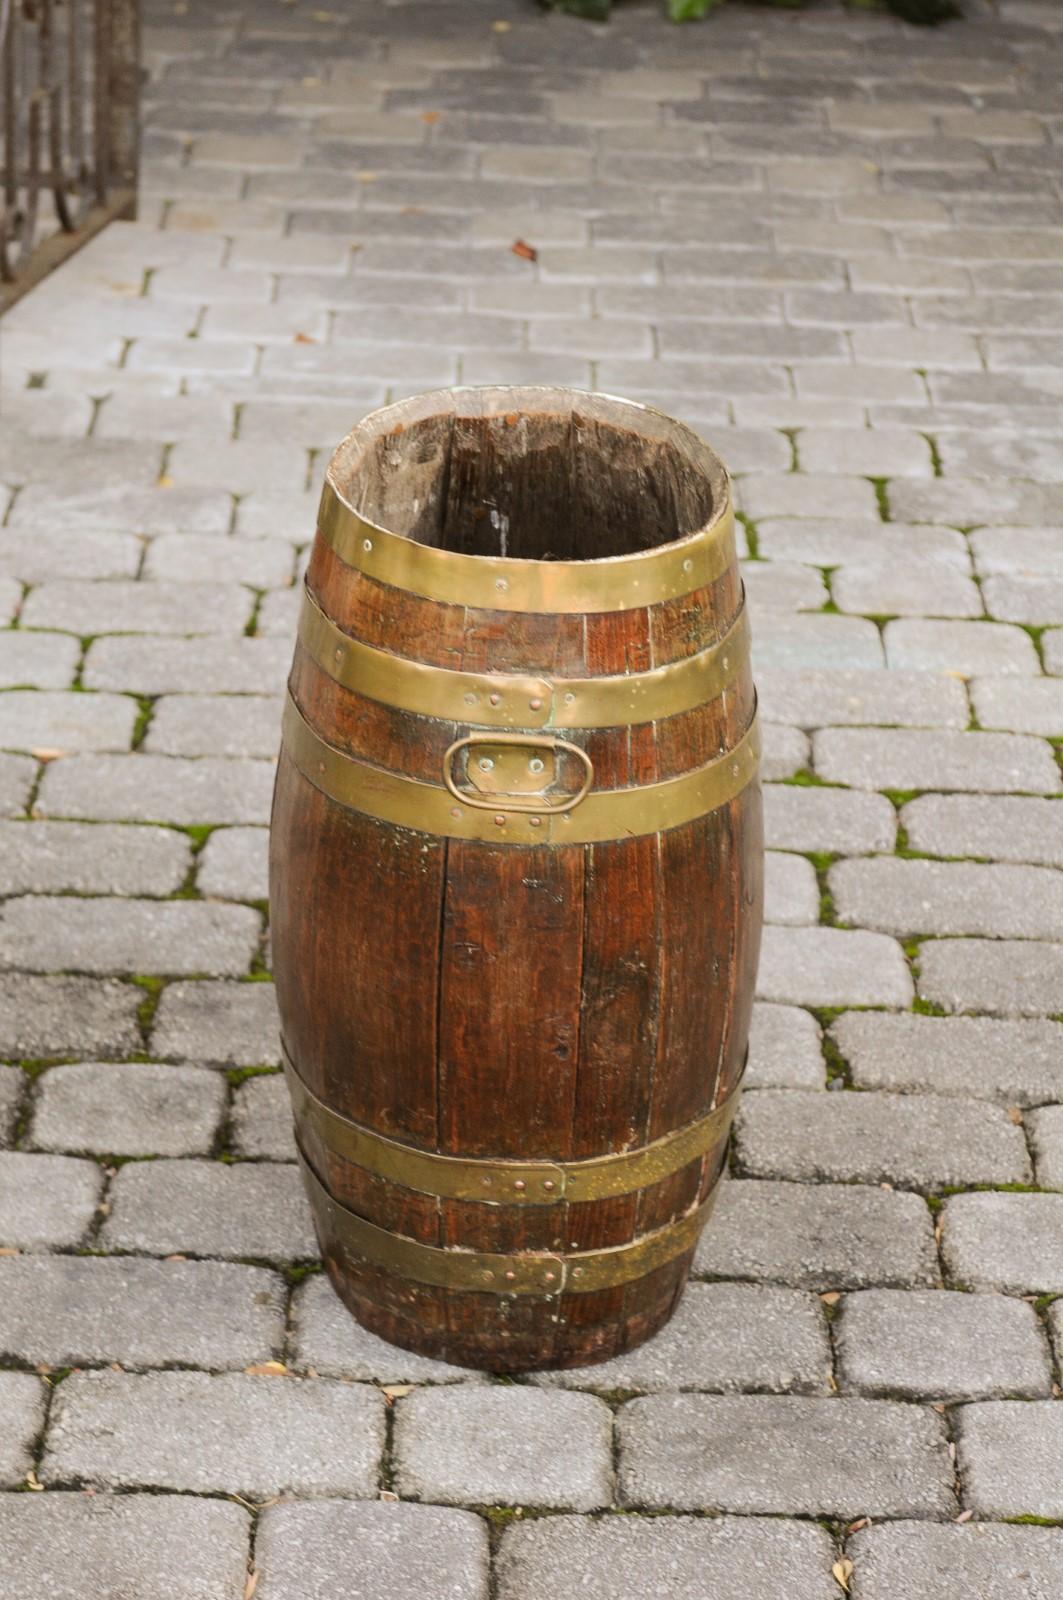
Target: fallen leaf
{"type": "Point", "coordinates": [832, 1383]}
{"type": "Point", "coordinates": [46, 753]}
{"type": "Point", "coordinates": [175, 1258]}
{"type": "Point", "coordinates": [32, 1481]}
{"type": "Point", "coordinates": [388, 1494]}
{"type": "Point", "coordinates": [164, 481]}
{"type": "Point", "coordinates": [1015, 1115]}
{"type": "Point", "coordinates": [43, 1368]}
{"type": "Point", "coordinates": [861, 1522]}
{"type": "Point", "coordinates": [964, 1516]}
{"type": "Point", "coordinates": [526, 251]}
{"type": "Point", "coordinates": [366, 176]}
{"type": "Point", "coordinates": [9, 1250]}
{"type": "Point", "coordinates": [430, 117]}
{"type": "Point", "coordinates": [304, 338]}
{"type": "Point", "coordinates": [501, 27]}
{"type": "Point", "coordinates": [252, 1583]}
{"type": "Point", "coordinates": [841, 1572]}
{"type": "Point", "coordinates": [395, 1391]}
{"type": "Point", "coordinates": [939, 1407]}
{"type": "Point", "coordinates": [267, 1369]}
{"type": "Point", "coordinates": [831, 1298]}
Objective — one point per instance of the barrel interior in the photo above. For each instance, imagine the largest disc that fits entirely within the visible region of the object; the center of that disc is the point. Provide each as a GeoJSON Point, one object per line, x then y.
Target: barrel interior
{"type": "Point", "coordinates": [553, 480]}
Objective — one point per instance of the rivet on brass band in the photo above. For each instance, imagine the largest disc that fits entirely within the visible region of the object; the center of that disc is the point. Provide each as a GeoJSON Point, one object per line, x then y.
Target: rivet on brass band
{"type": "Point", "coordinates": [604, 814]}
{"type": "Point", "coordinates": [503, 700]}
{"type": "Point", "coordinates": [582, 1272]}
{"type": "Point", "coordinates": [497, 583]}
{"type": "Point", "coordinates": [511, 1183]}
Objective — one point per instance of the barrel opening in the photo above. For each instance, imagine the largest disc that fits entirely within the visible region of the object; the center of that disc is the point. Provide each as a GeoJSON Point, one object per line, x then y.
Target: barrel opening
{"type": "Point", "coordinates": [581, 482]}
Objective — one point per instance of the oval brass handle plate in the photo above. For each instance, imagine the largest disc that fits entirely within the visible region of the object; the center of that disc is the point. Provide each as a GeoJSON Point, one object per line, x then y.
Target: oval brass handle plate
{"type": "Point", "coordinates": [510, 775]}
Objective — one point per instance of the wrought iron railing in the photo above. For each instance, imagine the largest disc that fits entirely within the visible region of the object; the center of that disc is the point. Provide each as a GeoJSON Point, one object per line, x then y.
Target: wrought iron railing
{"type": "Point", "coordinates": [69, 94]}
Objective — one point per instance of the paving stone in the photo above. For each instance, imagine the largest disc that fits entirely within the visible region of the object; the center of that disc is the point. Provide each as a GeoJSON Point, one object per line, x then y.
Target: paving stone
{"type": "Point", "coordinates": [947, 897]}
{"type": "Point", "coordinates": [876, 452]}
{"type": "Point", "coordinates": [1052, 646]}
{"type": "Point", "coordinates": [931, 1561]}
{"type": "Point", "coordinates": [13, 1085]}
{"type": "Point", "coordinates": [1010, 1458]}
{"type": "Point", "coordinates": [262, 1119]}
{"type": "Point", "coordinates": [210, 1208]}
{"type": "Point", "coordinates": [186, 558]}
{"type": "Point", "coordinates": [786, 751]}
{"type": "Point", "coordinates": [40, 934]}
{"type": "Point", "coordinates": [904, 758]}
{"type": "Point", "coordinates": [917, 590]}
{"type": "Point", "coordinates": [118, 606]}
{"type": "Point", "coordinates": [999, 976]}
{"type": "Point", "coordinates": [783, 642]}
{"type": "Point", "coordinates": [234, 864]}
{"type": "Point", "coordinates": [46, 1202]}
{"type": "Point", "coordinates": [784, 1049]}
{"type": "Point", "coordinates": [1004, 829]}
{"type": "Point", "coordinates": [813, 697]}
{"type": "Point", "coordinates": [815, 818]}
{"type": "Point", "coordinates": [127, 1110]}
{"type": "Point", "coordinates": [1017, 550]}
{"type": "Point", "coordinates": [919, 1142]}
{"type": "Point", "coordinates": [1045, 1128]}
{"type": "Point", "coordinates": [158, 1547]}
{"type": "Point", "coordinates": [968, 648]}
{"type": "Point", "coordinates": [215, 725]}
{"type": "Point", "coordinates": [818, 1237]}
{"type": "Point", "coordinates": [22, 1407]}
{"type": "Point", "coordinates": [1025, 599]}
{"type": "Point", "coordinates": [53, 720]}
{"type": "Point", "coordinates": [188, 666]}
{"type": "Point", "coordinates": [228, 1433]}
{"type": "Point", "coordinates": [784, 1454]}
{"type": "Point", "coordinates": [37, 660]}
{"type": "Point", "coordinates": [455, 1445]}
{"type": "Point", "coordinates": [1055, 1326]}
{"type": "Point", "coordinates": [67, 1016]}
{"type": "Point", "coordinates": [153, 788]}
{"type": "Point", "coordinates": [940, 1345]}
{"type": "Point", "coordinates": [723, 1337]}
{"type": "Point", "coordinates": [652, 1558]}
{"type": "Point", "coordinates": [230, 1024]}
{"type": "Point", "coordinates": [1035, 707]}
{"type": "Point", "coordinates": [50, 857]}
{"type": "Point", "coordinates": [1013, 1063]}
{"type": "Point", "coordinates": [781, 585]}
{"type": "Point", "coordinates": [848, 541]}
{"type": "Point", "coordinates": [79, 1310]}
{"type": "Point", "coordinates": [1007, 1242]}
{"type": "Point", "coordinates": [791, 893]}
{"type": "Point", "coordinates": [330, 1341]}
{"type": "Point", "coordinates": [17, 777]}
{"type": "Point", "coordinates": [832, 967]}
{"type": "Point", "coordinates": [372, 1551]}
{"type": "Point", "coordinates": [804, 495]}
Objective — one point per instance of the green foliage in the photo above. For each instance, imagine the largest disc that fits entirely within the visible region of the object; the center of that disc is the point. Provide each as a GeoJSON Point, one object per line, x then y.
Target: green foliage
{"type": "Point", "coordinates": [689, 10]}
{"type": "Point", "coordinates": [926, 12]}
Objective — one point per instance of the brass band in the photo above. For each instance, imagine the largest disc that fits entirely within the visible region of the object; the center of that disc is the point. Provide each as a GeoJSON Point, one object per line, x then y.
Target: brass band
{"type": "Point", "coordinates": [604, 814]}
{"type": "Point", "coordinates": [488, 1272]}
{"type": "Point", "coordinates": [503, 700]}
{"type": "Point", "coordinates": [498, 583]}
{"type": "Point", "coordinates": [511, 1183]}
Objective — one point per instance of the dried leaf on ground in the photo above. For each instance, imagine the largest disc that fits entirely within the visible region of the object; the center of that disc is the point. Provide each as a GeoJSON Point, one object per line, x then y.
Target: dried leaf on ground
{"type": "Point", "coordinates": [841, 1572]}
{"type": "Point", "coordinates": [526, 251]}
{"type": "Point", "coordinates": [267, 1369]}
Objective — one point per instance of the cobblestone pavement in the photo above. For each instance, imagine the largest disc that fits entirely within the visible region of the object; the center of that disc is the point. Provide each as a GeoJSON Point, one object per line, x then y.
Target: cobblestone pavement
{"type": "Point", "coordinates": [834, 245]}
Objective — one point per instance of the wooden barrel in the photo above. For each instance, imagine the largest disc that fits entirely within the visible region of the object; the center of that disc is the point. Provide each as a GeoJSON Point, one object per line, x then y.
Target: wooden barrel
{"type": "Point", "coordinates": [516, 870]}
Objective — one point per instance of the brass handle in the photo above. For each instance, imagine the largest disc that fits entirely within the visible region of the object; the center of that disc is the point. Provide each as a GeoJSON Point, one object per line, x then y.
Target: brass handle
{"type": "Point", "coordinates": [495, 746]}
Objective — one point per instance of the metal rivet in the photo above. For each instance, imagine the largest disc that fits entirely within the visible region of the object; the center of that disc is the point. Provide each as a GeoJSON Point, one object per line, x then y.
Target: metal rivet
{"type": "Point", "coordinates": [549, 1184]}
{"type": "Point", "coordinates": [574, 1245]}
{"type": "Point", "coordinates": [510, 1276]}
{"type": "Point", "coordinates": [520, 1184]}
{"type": "Point", "coordinates": [735, 769]}
{"type": "Point", "coordinates": [500, 819]}
{"type": "Point", "coordinates": [494, 699]}
{"type": "Point", "coordinates": [488, 1277]}
{"type": "Point", "coordinates": [321, 766]}
{"type": "Point", "coordinates": [688, 565]}
{"type": "Point", "coordinates": [470, 699]}
{"type": "Point", "coordinates": [577, 1272]}
{"type": "Point", "coordinates": [536, 764]}
{"type": "Point", "coordinates": [536, 704]}
{"type": "Point", "coordinates": [455, 811]}
{"type": "Point", "coordinates": [726, 662]}
{"type": "Point", "coordinates": [485, 763]}
{"type": "Point", "coordinates": [548, 1277]}
{"type": "Point", "coordinates": [536, 822]}
{"type": "Point", "coordinates": [569, 698]}
{"type": "Point", "coordinates": [501, 584]}
{"type": "Point", "coordinates": [486, 1181]}
{"type": "Point", "coordinates": [338, 652]}
{"type": "Point", "coordinates": [367, 544]}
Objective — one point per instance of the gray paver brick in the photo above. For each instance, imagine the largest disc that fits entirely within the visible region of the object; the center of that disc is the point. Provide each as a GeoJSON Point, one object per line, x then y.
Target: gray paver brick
{"type": "Point", "coordinates": [1005, 977]}
{"type": "Point", "coordinates": [188, 666]}
{"type": "Point", "coordinates": [228, 1433]}
{"type": "Point", "coordinates": [371, 1552]}
{"type": "Point", "coordinates": [618, 1558]}
{"type": "Point", "coordinates": [1002, 828]}
{"type": "Point", "coordinates": [159, 1547]}
{"type": "Point", "coordinates": [74, 1310]}
{"type": "Point", "coordinates": [1010, 1458]}
{"type": "Point", "coordinates": [814, 697]}
{"type": "Point", "coordinates": [17, 776]}
{"type": "Point", "coordinates": [838, 541]}
{"type": "Point", "coordinates": [908, 758]}
{"type": "Point", "coordinates": [230, 1024]}
{"type": "Point", "coordinates": [215, 725]}
{"type": "Point", "coordinates": [209, 1208]}
{"type": "Point", "coordinates": [1013, 1063]}
{"type": "Point", "coordinates": [823, 1237]}
{"type": "Point", "coordinates": [504, 1446]}
{"type": "Point", "coordinates": [130, 1109]}
{"type": "Point", "coordinates": [186, 558]}
{"type": "Point", "coordinates": [46, 1202]}
{"type": "Point", "coordinates": [262, 1119]}
{"type": "Point", "coordinates": [940, 1345]}
{"type": "Point", "coordinates": [786, 751]}
{"type": "Point", "coordinates": [53, 720]}
{"type": "Point", "coordinates": [784, 1049]}
{"type": "Point", "coordinates": [1009, 1242]}
{"type": "Point", "coordinates": [1017, 550]}
{"type": "Point", "coordinates": [150, 788]}
{"type": "Point", "coordinates": [234, 864]}
{"type": "Point", "coordinates": [13, 1085]}
{"type": "Point", "coordinates": [330, 1341]}
{"type": "Point", "coordinates": [946, 897]}
{"type": "Point", "coordinates": [963, 647]}
{"type": "Point", "coordinates": [919, 589]}
{"type": "Point", "coordinates": [919, 1142]}
{"type": "Point", "coordinates": [832, 967]}
{"type": "Point", "coordinates": [791, 892]}
{"type": "Point", "coordinates": [67, 1016]}
{"type": "Point", "coordinates": [980, 1558]}
{"type": "Point", "coordinates": [1024, 598]}
{"type": "Point", "coordinates": [784, 1454]}
{"type": "Point", "coordinates": [37, 660]}
{"type": "Point", "coordinates": [723, 1337]}
{"type": "Point", "coordinates": [22, 1406]}
{"type": "Point", "coordinates": [1052, 645]}
{"type": "Point", "coordinates": [1034, 706]}
{"type": "Point", "coordinates": [81, 607]}
{"type": "Point", "coordinates": [46, 857]}
{"type": "Point", "coordinates": [821, 819]}
{"type": "Point", "coordinates": [810, 639]}
{"type": "Point", "coordinates": [42, 934]}
{"type": "Point", "coordinates": [1045, 1128]}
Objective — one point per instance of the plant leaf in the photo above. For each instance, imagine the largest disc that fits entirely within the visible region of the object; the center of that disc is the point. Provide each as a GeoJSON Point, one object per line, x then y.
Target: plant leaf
{"type": "Point", "coordinates": [689, 10]}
